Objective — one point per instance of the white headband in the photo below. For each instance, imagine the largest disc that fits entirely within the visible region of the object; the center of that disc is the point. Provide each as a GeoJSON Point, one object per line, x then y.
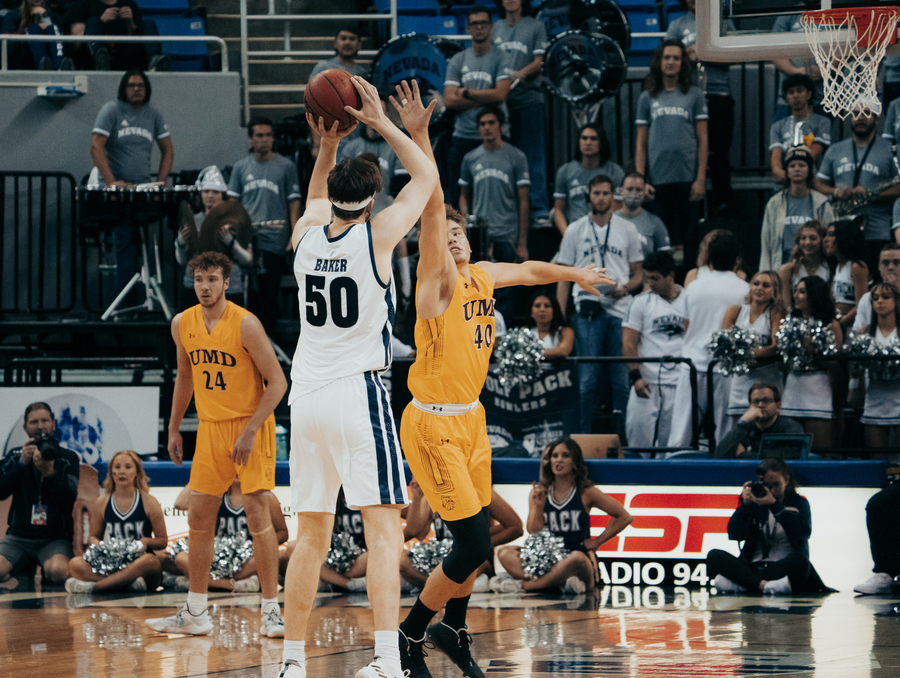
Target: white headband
{"type": "Point", "coordinates": [353, 206]}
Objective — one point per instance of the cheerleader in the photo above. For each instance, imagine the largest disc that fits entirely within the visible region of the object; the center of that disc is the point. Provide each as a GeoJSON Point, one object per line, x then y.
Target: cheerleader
{"type": "Point", "coordinates": [562, 502]}
{"type": "Point", "coordinates": [548, 324]}
{"type": "Point", "coordinates": [807, 259]}
{"type": "Point", "coordinates": [843, 244]}
{"type": "Point", "coordinates": [881, 412]}
{"type": "Point", "coordinates": [808, 395]}
{"type": "Point", "coordinates": [761, 314]}
{"type": "Point", "coordinates": [125, 511]}
{"type": "Point", "coordinates": [350, 521]}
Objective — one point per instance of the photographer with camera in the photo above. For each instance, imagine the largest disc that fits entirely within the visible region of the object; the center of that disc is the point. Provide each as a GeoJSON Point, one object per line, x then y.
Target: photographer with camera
{"type": "Point", "coordinates": [42, 479]}
{"type": "Point", "coordinates": [762, 416]}
{"type": "Point", "coordinates": [774, 522]}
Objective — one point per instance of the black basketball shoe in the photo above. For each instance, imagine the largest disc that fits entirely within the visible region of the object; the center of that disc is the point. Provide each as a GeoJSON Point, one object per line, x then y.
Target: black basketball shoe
{"type": "Point", "coordinates": [455, 644]}
{"type": "Point", "coordinates": [412, 656]}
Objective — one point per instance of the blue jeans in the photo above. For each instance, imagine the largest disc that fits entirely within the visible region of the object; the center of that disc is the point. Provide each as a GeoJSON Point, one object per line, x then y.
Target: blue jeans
{"type": "Point", "coordinates": [598, 333]}
{"type": "Point", "coordinates": [455, 154]}
{"type": "Point", "coordinates": [39, 50]}
{"type": "Point", "coordinates": [527, 134]}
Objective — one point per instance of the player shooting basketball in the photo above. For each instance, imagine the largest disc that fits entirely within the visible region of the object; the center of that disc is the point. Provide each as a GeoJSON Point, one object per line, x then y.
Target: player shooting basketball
{"type": "Point", "coordinates": [443, 430]}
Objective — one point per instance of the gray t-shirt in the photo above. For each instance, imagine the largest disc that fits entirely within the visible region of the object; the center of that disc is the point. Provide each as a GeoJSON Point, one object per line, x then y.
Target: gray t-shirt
{"type": "Point", "coordinates": [572, 185]}
{"type": "Point", "coordinates": [672, 138]}
{"type": "Point", "coordinates": [791, 23]}
{"type": "Point", "coordinates": [891, 66]}
{"type": "Point", "coordinates": [265, 190]}
{"type": "Point", "coordinates": [495, 178]}
{"type": "Point", "coordinates": [891, 130]}
{"type": "Point", "coordinates": [522, 43]}
{"type": "Point", "coordinates": [335, 62]}
{"type": "Point", "coordinates": [130, 136]}
{"type": "Point", "coordinates": [653, 232]}
{"type": "Point", "coordinates": [718, 75]}
{"type": "Point", "coordinates": [839, 167]}
{"type": "Point", "coordinates": [387, 161]}
{"type": "Point", "coordinates": [466, 70]}
{"type": "Point", "coordinates": [781, 133]}
{"type": "Point", "coordinates": [799, 211]}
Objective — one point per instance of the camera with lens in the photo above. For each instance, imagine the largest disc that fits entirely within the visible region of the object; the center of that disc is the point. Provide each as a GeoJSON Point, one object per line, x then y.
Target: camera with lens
{"type": "Point", "coordinates": [47, 446]}
{"type": "Point", "coordinates": [758, 489]}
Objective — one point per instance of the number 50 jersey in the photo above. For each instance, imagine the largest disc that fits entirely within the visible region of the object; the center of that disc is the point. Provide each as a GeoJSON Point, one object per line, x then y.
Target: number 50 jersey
{"type": "Point", "coordinates": [346, 310]}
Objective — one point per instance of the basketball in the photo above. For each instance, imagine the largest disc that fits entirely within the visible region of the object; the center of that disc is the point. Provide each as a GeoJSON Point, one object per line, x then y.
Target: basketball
{"type": "Point", "coordinates": [328, 93]}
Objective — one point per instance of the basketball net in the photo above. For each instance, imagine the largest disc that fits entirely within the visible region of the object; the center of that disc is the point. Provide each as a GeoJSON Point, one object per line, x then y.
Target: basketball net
{"type": "Point", "coordinates": [848, 45]}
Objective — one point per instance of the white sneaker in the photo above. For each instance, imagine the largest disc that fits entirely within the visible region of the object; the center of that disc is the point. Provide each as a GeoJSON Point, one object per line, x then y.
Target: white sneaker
{"type": "Point", "coordinates": [497, 580]}
{"type": "Point", "coordinates": [291, 669]}
{"type": "Point", "coordinates": [272, 623]}
{"type": "Point", "coordinates": [481, 585]}
{"type": "Point", "coordinates": [511, 586]}
{"type": "Point", "coordinates": [358, 584]}
{"type": "Point", "coordinates": [779, 587]}
{"type": "Point", "coordinates": [248, 585]}
{"type": "Point", "coordinates": [379, 668]}
{"type": "Point", "coordinates": [183, 622]}
{"type": "Point", "coordinates": [725, 585]}
{"type": "Point", "coordinates": [880, 582]}
{"type": "Point", "coordinates": [575, 585]}
{"type": "Point", "coordinates": [78, 586]}
{"type": "Point", "coordinates": [138, 585]}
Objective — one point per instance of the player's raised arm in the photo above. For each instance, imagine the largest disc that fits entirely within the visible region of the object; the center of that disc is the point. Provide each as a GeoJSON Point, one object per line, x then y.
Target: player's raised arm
{"type": "Point", "coordinates": [436, 271]}
{"type": "Point", "coordinates": [541, 273]}
{"type": "Point", "coordinates": [318, 207]}
{"type": "Point", "coordinates": [394, 222]}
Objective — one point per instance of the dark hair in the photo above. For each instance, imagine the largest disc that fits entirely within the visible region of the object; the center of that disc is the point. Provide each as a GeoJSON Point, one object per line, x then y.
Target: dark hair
{"type": "Point", "coordinates": [653, 83]}
{"type": "Point", "coordinates": [896, 294]}
{"type": "Point", "coordinates": [123, 84]}
{"type": "Point", "coordinates": [776, 392]}
{"type": "Point", "coordinates": [454, 215]}
{"type": "Point", "coordinates": [257, 120]}
{"type": "Point", "coordinates": [477, 9]}
{"type": "Point", "coordinates": [818, 299]}
{"type": "Point", "coordinates": [848, 239]}
{"type": "Point", "coordinates": [353, 180]}
{"type": "Point", "coordinates": [779, 465]}
{"type": "Point", "coordinates": [37, 406]}
{"type": "Point", "coordinates": [605, 150]}
{"type": "Point", "coordinates": [559, 318]}
{"type": "Point", "coordinates": [724, 251]}
{"type": "Point", "coordinates": [349, 27]}
{"type": "Point", "coordinates": [579, 468]}
{"type": "Point", "coordinates": [634, 175]}
{"type": "Point", "coordinates": [206, 261]}
{"type": "Point", "coordinates": [797, 80]}
{"type": "Point", "coordinates": [888, 247]}
{"type": "Point", "coordinates": [488, 110]}
{"type": "Point", "coordinates": [599, 179]}
{"type": "Point", "coordinates": [659, 262]}
{"type": "Point", "coordinates": [370, 157]}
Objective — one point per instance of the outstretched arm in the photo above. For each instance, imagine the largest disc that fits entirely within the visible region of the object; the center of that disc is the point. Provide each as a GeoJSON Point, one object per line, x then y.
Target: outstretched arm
{"type": "Point", "coordinates": [541, 273]}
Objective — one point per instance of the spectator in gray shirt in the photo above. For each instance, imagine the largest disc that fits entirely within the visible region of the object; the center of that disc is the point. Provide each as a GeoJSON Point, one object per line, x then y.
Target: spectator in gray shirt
{"type": "Point", "coordinates": [654, 236]}
{"type": "Point", "coordinates": [795, 128]}
{"type": "Point", "coordinates": [762, 416]}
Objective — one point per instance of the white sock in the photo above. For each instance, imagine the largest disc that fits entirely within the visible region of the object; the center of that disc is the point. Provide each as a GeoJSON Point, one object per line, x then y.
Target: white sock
{"type": "Point", "coordinates": [266, 602]}
{"type": "Point", "coordinates": [387, 646]}
{"type": "Point", "coordinates": [196, 603]}
{"type": "Point", "coordinates": [296, 650]}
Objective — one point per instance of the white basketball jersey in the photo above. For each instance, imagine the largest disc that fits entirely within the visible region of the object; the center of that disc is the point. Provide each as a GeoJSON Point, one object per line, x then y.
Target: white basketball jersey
{"type": "Point", "coordinates": [346, 311]}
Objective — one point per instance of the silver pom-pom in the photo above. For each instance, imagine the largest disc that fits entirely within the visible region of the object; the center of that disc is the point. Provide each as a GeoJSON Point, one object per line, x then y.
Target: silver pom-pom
{"type": "Point", "coordinates": [427, 555]}
{"type": "Point", "coordinates": [111, 555]}
{"type": "Point", "coordinates": [519, 355]}
{"type": "Point", "coordinates": [732, 349]}
{"type": "Point", "coordinates": [229, 555]}
{"type": "Point", "coordinates": [540, 552]}
{"type": "Point", "coordinates": [343, 552]}
{"type": "Point", "coordinates": [879, 370]}
{"type": "Point", "coordinates": [801, 342]}
{"type": "Point", "coordinates": [178, 547]}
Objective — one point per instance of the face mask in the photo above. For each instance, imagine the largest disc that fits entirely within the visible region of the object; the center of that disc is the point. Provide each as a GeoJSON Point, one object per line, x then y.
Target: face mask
{"type": "Point", "coordinates": [632, 202]}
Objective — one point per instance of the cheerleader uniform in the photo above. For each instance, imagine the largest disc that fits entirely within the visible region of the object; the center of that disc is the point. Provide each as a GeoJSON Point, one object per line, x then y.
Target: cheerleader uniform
{"type": "Point", "coordinates": [350, 521]}
{"type": "Point", "coordinates": [551, 340]}
{"type": "Point", "coordinates": [842, 288]}
{"type": "Point", "coordinates": [568, 519]}
{"type": "Point", "coordinates": [132, 524]}
{"type": "Point", "coordinates": [882, 405]}
{"type": "Point", "coordinates": [441, 531]}
{"type": "Point", "coordinates": [232, 520]}
{"type": "Point", "coordinates": [769, 373]}
{"type": "Point", "coordinates": [823, 272]}
{"type": "Point", "coordinates": [807, 395]}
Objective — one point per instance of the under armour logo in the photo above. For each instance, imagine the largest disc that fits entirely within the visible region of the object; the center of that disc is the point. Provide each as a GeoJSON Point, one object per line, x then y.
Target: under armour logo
{"type": "Point", "coordinates": [445, 441]}
{"type": "Point", "coordinates": [191, 335]}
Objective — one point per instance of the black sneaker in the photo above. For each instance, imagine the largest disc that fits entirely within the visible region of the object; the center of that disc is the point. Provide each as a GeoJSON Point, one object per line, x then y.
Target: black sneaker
{"type": "Point", "coordinates": [412, 657]}
{"type": "Point", "coordinates": [455, 644]}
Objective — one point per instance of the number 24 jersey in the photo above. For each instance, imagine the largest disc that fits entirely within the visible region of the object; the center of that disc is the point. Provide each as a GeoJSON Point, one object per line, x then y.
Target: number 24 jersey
{"type": "Point", "coordinates": [346, 310]}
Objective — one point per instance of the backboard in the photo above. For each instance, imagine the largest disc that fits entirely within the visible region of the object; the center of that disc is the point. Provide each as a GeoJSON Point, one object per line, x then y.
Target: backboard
{"type": "Point", "coordinates": [761, 30]}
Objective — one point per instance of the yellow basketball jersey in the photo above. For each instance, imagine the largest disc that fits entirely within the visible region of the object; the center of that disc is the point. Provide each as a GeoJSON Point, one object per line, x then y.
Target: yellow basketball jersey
{"type": "Point", "coordinates": [227, 384]}
{"type": "Point", "coordinates": [453, 350]}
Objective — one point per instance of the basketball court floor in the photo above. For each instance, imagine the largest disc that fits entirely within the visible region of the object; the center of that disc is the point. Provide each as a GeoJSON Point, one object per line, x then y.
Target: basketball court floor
{"type": "Point", "coordinates": [615, 631]}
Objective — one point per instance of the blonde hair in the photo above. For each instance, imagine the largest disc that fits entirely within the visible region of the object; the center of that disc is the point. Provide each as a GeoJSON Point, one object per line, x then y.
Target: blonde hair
{"type": "Point", "coordinates": [777, 303]}
{"type": "Point", "coordinates": [140, 478]}
{"type": "Point", "coordinates": [797, 253]}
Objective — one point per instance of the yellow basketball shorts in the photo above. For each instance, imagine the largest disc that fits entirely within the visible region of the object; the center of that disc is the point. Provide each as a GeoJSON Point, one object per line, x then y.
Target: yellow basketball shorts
{"type": "Point", "coordinates": [212, 469]}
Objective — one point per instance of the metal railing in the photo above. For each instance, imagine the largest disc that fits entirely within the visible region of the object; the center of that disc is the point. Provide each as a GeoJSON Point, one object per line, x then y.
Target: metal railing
{"type": "Point", "coordinates": [5, 39]}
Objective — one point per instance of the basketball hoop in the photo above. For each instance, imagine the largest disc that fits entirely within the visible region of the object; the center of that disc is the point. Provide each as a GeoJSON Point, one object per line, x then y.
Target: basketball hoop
{"type": "Point", "coordinates": [848, 45]}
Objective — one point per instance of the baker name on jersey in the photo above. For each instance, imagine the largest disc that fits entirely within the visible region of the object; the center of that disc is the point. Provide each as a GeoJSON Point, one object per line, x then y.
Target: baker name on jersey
{"type": "Point", "coordinates": [478, 308]}
{"type": "Point", "coordinates": [331, 265]}
{"type": "Point", "coordinates": [201, 355]}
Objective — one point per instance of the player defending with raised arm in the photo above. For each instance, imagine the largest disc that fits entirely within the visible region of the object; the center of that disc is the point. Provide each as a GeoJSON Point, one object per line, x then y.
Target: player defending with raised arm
{"type": "Point", "coordinates": [443, 430]}
{"type": "Point", "coordinates": [342, 429]}
{"type": "Point", "coordinates": [224, 357]}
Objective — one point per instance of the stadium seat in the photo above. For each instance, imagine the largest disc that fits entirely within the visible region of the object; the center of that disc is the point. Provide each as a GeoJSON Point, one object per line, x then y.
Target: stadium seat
{"type": "Point", "coordinates": [430, 25]}
{"type": "Point", "coordinates": [643, 21]}
{"type": "Point", "coordinates": [173, 7]}
{"type": "Point", "coordinates": [185, 56]}
{"type": "Point", "coordinates": [672, 12]}
{"type": "Point", "coordinates": [420, 7]}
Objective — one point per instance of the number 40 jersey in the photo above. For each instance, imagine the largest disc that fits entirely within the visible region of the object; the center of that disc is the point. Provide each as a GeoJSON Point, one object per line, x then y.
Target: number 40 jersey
{"type": "Point", "coordinates": [346, 310]}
